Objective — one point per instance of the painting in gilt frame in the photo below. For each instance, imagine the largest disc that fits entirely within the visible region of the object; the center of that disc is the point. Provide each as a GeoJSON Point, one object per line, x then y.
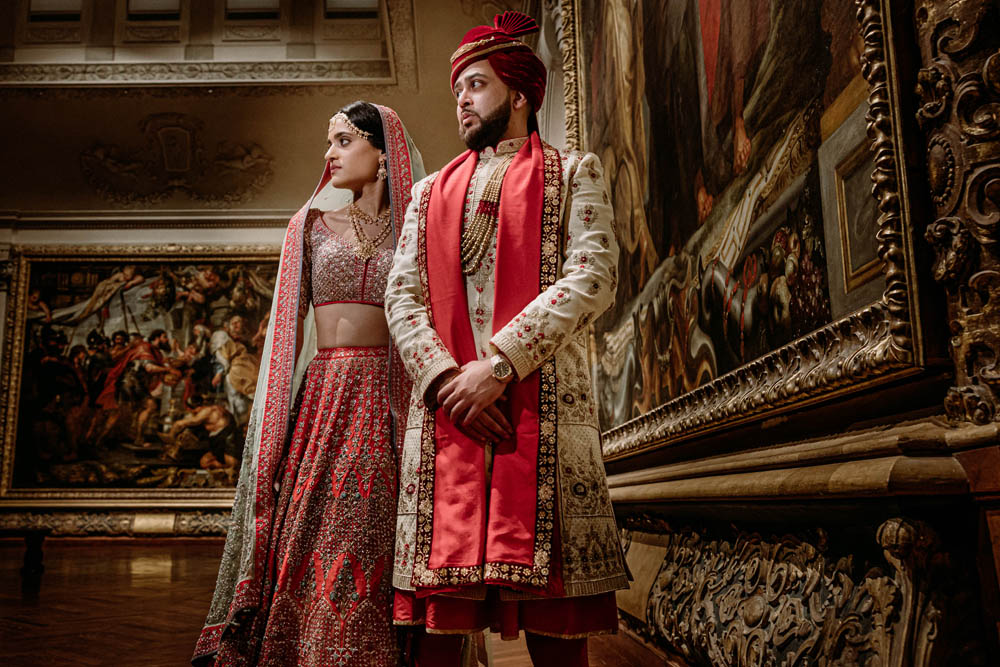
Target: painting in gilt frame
{"type": "Point", "coordinates": [732, 135]}
{"type": "Point", "coordinates": [130, 372]}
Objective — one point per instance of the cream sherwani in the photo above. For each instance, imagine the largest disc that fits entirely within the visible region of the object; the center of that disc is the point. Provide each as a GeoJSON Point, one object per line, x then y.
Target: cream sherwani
{"type": "Point", "coordinates": [552, 326]}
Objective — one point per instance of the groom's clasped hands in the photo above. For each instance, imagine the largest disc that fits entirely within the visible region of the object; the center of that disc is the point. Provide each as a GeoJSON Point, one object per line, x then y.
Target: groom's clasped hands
{"type": "Point", "coordinates": [471, 399]}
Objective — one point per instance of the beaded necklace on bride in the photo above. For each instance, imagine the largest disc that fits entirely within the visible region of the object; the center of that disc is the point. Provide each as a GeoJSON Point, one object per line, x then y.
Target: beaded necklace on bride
{"type": "Point", "coordinates": [366, 247]}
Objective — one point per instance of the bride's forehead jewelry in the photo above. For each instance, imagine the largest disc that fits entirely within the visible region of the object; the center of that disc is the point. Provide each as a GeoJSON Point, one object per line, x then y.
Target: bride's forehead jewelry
{"type": "Point", "coordinates": [341, 116]}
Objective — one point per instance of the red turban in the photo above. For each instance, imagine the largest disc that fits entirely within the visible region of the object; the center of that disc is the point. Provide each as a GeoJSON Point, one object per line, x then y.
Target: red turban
{"type": "Point", "coordinates": [513, 60]}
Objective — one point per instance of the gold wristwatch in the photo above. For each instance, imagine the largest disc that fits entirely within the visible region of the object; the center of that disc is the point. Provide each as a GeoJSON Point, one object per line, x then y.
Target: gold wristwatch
{"type": "Point", "coordinates": [502, 370]}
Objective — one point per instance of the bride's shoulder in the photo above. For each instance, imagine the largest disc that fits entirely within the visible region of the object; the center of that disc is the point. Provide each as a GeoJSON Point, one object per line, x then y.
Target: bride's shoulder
{"type": "Point", "coordinates": [332, 215]}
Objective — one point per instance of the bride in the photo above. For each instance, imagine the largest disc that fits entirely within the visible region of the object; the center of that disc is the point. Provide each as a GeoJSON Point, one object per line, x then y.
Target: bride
{"type": "Point", "coordinates": [306, 572]}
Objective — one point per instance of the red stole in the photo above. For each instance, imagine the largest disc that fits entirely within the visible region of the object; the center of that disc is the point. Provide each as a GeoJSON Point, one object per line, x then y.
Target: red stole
{"type": "Point", "coordinates": [465, 534]}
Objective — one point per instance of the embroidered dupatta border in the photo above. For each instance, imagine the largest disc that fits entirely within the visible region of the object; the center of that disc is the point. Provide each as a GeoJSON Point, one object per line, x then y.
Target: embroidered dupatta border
{"type": "Point", "coordinates": [400, 171]}
{"type": "Point", "coordinates": [277, 402]}
{"type": "Point", "coordinates": [253, 507]}
{"type": "Point", "coordinates": [400, 179]}
{"type": "Point", "coordinates": [537, 575]}
{"type": "Point", "coordinates": [272, 429]}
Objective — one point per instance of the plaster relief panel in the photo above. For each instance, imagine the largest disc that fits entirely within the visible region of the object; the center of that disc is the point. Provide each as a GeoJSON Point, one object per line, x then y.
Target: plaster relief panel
{"type": "Point", "coordinates": [176, 162]}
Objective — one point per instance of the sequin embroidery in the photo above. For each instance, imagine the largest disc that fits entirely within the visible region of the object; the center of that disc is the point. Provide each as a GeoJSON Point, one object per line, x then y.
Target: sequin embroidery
{"type": "Point", "coordinates": [333, 273]}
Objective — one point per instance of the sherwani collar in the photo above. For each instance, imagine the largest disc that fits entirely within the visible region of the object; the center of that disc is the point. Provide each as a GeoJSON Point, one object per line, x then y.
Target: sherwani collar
{"type": "Point", "coordinates": [505, 147]}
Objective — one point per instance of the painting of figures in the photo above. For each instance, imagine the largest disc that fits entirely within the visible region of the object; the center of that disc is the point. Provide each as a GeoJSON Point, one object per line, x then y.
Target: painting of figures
{"type": "Point", "coordinates": [708, 116]}
{"type": "Point", "coordinates": [138, 372]}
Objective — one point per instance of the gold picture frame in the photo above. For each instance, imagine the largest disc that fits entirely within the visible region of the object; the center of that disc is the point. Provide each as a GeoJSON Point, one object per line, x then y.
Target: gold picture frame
{"type": "Point", "coordinates": [878, 343]}
{"type": "Point", "coordinates": [238, 292]}
{"type": "Point", "coordinates": [846, 164]}
{"type": "Point", "coordinates": [855, 275]}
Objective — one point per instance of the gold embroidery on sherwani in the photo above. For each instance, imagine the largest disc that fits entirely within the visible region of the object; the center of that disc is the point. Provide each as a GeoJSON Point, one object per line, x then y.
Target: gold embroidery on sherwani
{"type": "Point", "coordinates": [425, 202]}
{"type": "Point", "coordinates": [430, 351]}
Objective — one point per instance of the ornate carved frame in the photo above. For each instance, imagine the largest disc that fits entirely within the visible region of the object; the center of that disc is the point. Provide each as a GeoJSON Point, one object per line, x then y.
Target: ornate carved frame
{"type": "Point", "coordinates": [959, 114]}
{"type": "Point", "coordinates": [852, 277]}
{"type": "Point", "coordinates": [879, 343]}
{"type": "Point", "coordinates": [122, 508]}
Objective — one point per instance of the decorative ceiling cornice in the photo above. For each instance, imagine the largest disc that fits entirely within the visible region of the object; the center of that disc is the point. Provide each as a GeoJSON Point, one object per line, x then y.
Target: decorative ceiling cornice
{"type": "Point", "coordinates": [200, 73]}
{"type": "Point", "coordinates": [261, 78]}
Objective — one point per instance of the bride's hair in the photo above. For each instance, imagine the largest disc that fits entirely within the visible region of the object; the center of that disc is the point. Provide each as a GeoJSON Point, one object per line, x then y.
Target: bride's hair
{"type": "Point", "coordinates": [366, 117]}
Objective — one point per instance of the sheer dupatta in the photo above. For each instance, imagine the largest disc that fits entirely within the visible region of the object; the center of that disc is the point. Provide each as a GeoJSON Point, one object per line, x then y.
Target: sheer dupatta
{"type": "Point", "coordinates": [240, 584]}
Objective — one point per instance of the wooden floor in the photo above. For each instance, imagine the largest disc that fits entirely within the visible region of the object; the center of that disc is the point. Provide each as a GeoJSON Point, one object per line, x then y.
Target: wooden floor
{"type": "Point", "coordinates": [127, 602]}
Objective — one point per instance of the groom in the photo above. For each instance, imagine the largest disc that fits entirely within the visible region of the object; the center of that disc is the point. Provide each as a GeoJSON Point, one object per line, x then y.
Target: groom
{"type": "Point", "coordinates": [506, 255]}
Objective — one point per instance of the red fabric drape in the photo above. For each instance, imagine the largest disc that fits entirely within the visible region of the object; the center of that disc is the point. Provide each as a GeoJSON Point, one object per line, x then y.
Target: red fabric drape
{"type": "Point", "coordinates": [710, 12]}
{"type": "Point", "coordinates": [465, 534]}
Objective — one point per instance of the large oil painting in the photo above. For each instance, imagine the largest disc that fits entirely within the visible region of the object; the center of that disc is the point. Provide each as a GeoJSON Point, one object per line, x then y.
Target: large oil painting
{"type": "Point", "coordinates": [133, 371]}
{"type": "Point", "coordinates": [708, 116]}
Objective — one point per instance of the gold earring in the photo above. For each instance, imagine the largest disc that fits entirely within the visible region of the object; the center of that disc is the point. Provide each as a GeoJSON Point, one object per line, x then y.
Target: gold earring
{"type": "Point", "coordinates": [382, 173]}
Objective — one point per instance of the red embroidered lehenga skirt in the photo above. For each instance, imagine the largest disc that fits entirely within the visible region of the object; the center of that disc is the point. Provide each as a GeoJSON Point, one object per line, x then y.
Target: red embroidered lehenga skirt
{"type": "Point", "coordinates": [329, 571]}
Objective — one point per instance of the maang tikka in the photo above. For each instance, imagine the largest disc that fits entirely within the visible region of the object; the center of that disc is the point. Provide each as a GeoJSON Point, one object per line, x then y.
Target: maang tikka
{"type": "Point", "coordinates": [341, 116]}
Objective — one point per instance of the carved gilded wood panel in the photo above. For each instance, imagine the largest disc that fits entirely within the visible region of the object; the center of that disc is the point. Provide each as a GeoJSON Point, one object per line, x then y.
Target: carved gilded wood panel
{"type": "Point", "coordinates": [959, 113]}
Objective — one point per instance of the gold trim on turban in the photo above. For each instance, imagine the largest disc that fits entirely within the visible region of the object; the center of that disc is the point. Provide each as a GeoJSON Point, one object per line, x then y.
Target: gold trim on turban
{"type": "Point", "coordinates": [497, 47]}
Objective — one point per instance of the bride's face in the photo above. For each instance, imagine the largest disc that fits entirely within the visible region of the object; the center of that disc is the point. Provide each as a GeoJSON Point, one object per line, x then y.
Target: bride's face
{"type": "Point", "coordinates": [353, 161]}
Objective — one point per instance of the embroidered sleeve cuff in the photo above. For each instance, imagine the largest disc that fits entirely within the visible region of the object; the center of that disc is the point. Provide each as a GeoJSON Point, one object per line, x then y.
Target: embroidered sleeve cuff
{"type": "Point", "coordinates": [430, 373]}
{"type": "Point", "coordinates": [506, 341]}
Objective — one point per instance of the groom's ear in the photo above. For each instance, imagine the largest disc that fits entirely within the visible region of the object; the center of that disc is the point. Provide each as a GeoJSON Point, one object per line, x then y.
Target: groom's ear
{"type": "Point", "coordinates": [519, 101]}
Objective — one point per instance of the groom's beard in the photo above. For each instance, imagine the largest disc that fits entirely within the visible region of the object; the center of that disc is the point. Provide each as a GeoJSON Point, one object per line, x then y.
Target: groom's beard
{"type": "Point", "coordinates": [492, 126]}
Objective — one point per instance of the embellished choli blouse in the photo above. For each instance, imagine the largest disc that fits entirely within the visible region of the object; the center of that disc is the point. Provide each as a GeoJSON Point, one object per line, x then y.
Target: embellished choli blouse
{"type": "Point", "coordinates": [333, 273]}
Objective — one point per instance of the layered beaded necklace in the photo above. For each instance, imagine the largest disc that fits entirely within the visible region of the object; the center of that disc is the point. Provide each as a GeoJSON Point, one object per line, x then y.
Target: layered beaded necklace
{"type": "Point", "coordinates": [476, 235]}
{"type": "Point", "coordinates": [366, 247]}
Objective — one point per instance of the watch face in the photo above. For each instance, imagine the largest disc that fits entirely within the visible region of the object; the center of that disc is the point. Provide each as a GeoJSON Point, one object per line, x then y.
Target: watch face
{"type": "Point", "coordinates": [501, 369]}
